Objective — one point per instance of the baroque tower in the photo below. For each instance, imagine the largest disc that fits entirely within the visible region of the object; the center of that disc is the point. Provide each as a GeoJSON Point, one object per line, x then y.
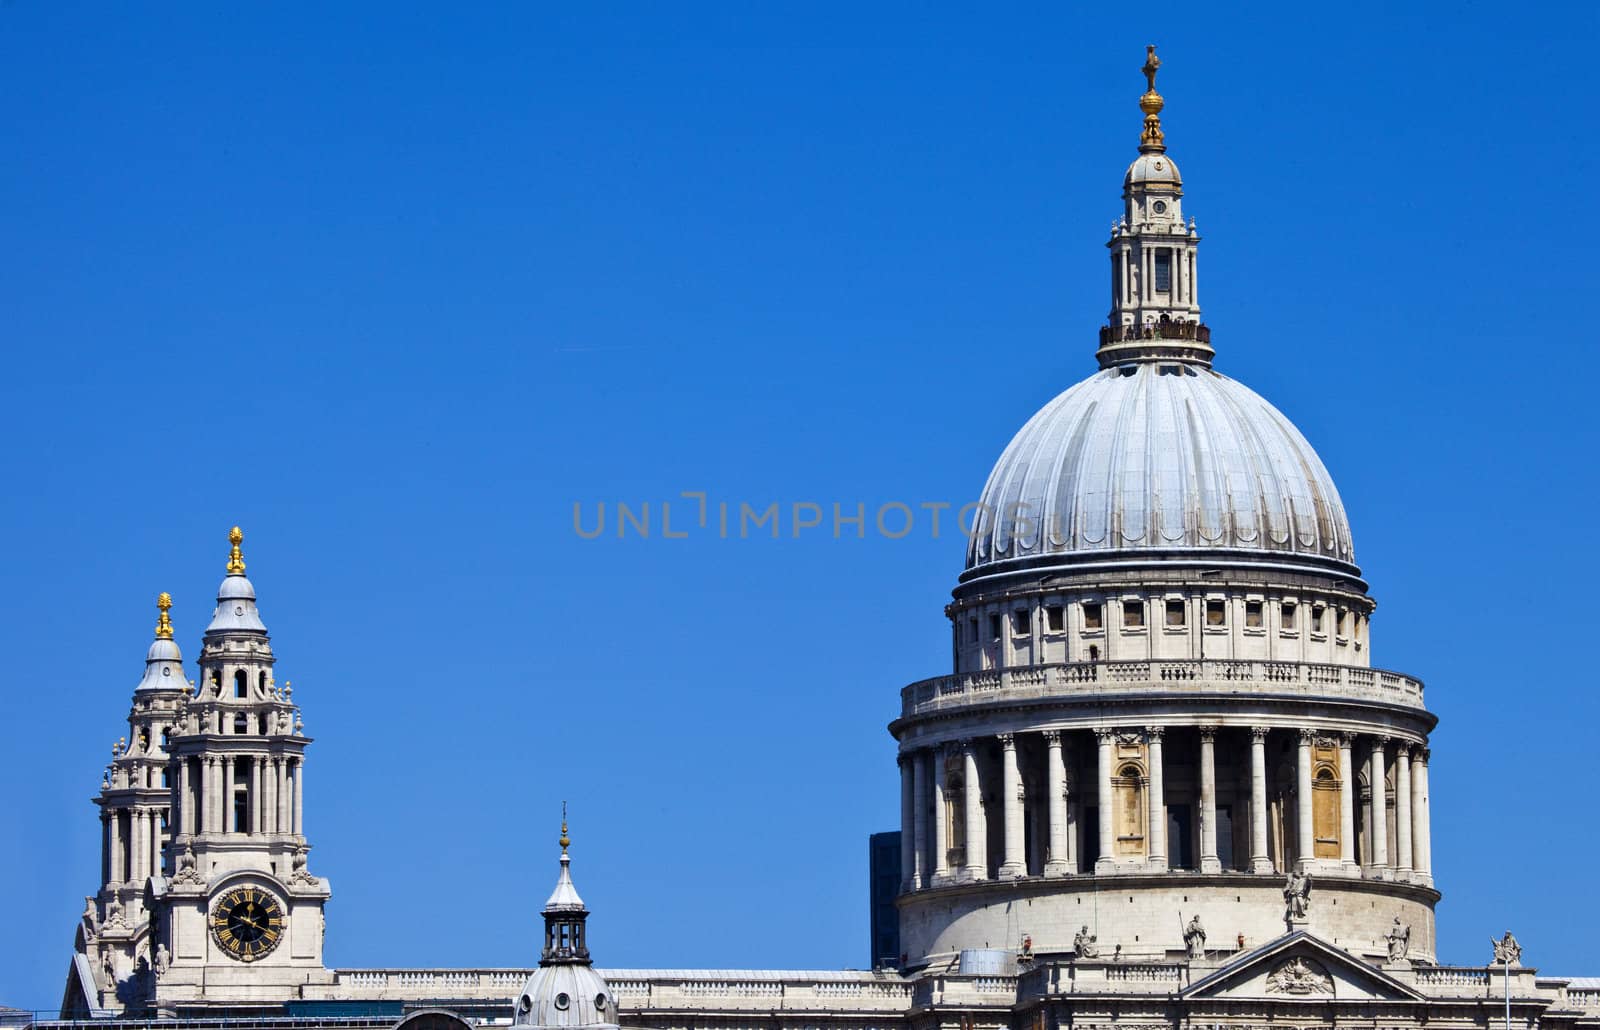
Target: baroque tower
{"type": "Point", "coordinates": [1163, 693]}
{"type": "Point", "coordinates": [227, 913]}
{"type": "Point", "coordinates": [115, 951]}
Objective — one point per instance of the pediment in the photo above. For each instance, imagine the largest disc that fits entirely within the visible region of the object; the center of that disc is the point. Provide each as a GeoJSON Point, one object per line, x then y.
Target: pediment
{"type": "Point", "coordinates": [1300, 967]}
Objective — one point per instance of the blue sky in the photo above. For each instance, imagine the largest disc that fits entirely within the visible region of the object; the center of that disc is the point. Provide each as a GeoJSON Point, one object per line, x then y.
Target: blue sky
{"type": "Point", "coordinates": [393, 287]}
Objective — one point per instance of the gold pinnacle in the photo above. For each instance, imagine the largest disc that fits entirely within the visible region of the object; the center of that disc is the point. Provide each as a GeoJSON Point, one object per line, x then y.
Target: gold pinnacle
{"type": "Point", "coordinates": [235, 556]}
{"type": "Point", "coordinates": [1151, 104]}
{"type": "Point", "coordinates": [565, 840]}
{"type": "Point", "coordinates": [164, 624]}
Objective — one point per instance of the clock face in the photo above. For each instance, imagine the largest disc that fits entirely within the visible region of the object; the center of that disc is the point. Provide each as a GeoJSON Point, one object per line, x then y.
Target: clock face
{"type": "Point", "coordinates": [247, 923]}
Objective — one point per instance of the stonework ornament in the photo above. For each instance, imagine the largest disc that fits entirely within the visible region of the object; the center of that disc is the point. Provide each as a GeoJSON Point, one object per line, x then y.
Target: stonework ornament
{"type": "Point", "coordinates": [1507, 952]}
{"type": "Point", "coordinates": [1084, 944]}
{"type": "Point", "coordinates": [1399, 940]}
{"type": "Point", "coordinates": [1194, 938]}
{"type": "Point", "coordinates": [1299, 976]}
{"type": "Point", "coordinates": [1297, 895]}
{"type": "Point", "coordinates": [300, 874]}
{"type": "Point", "coordinates": [187, 873]}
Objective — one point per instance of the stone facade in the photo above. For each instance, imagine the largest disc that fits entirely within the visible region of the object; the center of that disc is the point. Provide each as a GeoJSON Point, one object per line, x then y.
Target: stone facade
{"type": "Point", "coordinates": [1162, 786]}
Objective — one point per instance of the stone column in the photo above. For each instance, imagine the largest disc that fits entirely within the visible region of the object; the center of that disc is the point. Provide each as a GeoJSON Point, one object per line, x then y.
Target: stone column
{"type": "Point", "coordinates": [256, 764]}
{"type": "Point", "coordinates": [1305, 840]}
{"type": "Point", "coordinates": [1108, 832]}
{"type": "Point", "coordinates": [1015, 863]}
{"type": "Point", "coordinates": [138, 846]}
{"type": "Point", "coordinates": [977, 844]}
{"type": "Point", "coordinates": [299, 796]}
{"type": "Point", "coordinates": [1209, 862]}
{"type": "Point", "coordinates": [285, 796]}
{"type": "Point", "coordinates": [1259, 861]}
{"type": "Point", "coordinates": [156, 840]}
{"type": "Point", "coordinates": [119, 854]}
{"type": "Point", "coordinates": [908, 841]}
{"type": "Point", "coordinates": [1347, 801]}
{"type": "Point", "coordinates": [1056, 794]}
{"type": "Point", "coordinates": [1378, 824]}
{"type": "Point", "coordinates": [1156, 851]}
{"type": "Point", "coordinates": [205, 808]}
{"type": "Point", "coordinates": [919, 819]}
{"type": "Point", "coordinates": [1422, 827]}
{"type": "Point", "coordinates": [941, 820]}
{"type": "Point", "coordinates": [213, 795]}
{"type": "Point", "coordinates": [269, 803]}
{"type": "Point", "coordinates": [1402, 810]}
{"type": "Point", "coordinates": [185, 820]}
{"type": "Point", "coordinates": [227, 795]}
{"type": "Point", "coordinates": [105, 846]}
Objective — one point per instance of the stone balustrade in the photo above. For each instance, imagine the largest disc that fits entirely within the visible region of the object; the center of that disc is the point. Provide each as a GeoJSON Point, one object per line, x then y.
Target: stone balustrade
{"type": "Point", "coordinates": [1157, 676]}
{"type": "Point", "coordinates": [1452, 976]}
{"type": "Point", "coordinates": [647, 989]}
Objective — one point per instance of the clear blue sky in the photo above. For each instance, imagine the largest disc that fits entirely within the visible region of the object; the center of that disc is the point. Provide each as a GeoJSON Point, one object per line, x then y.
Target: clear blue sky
{"type": "Point", "coordinates": [393, 287]}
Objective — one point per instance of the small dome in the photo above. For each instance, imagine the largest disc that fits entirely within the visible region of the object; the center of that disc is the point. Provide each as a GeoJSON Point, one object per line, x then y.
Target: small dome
{"type": "Point", "coordinates": [1157, 459]}
{"type": "Point", "coordinates": [236, 607]}
{"type": "Point", "coordinates": [1152, 169]}
{"type": "Point", "coordinates": [236, 588]}
{"type": "Point", "coordinates": [566, 996]}
{"type": "Point", "coordinates": [163, 667]}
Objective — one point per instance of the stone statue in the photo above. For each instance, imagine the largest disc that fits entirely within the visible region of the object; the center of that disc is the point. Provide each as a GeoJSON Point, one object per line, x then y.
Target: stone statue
{"type": "Point", "coordinates": [1083, 943]}
{"type": "Point", "coordinates": [1399, 938]}
{"type": "Point", "coordinates": [109, 968]}
{"type": "Point", "coordinates": [1507, 952]}
{"type": "Point", "coordinates": [1297, 895]}
{"type": "Point", "coordinates": [163, 956]}
{"type": "Point", "coordinates": [1194, 938]}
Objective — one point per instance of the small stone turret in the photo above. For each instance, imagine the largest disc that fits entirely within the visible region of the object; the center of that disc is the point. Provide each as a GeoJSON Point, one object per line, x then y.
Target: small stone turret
{"type": "Point", "coordinates": [565, 991]}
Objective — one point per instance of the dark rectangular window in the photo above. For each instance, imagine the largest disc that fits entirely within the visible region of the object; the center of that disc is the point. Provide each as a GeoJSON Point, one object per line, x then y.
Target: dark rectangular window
{"type": "Point", "coordinates": [1055, 618]}
{"type": "Point", "coordinates": [1133, 614]}
{"type": "Point", "coordinates": [1020, 622]}
{"type": "Point", "coordinates": [1092, 616]}
{"type": "Point", "coordinates": [1163, 271]}
{"type": "Point", "coordinates": [994, 627]}
{"type": "Point", "coordinates": [1288, 616]}
{"type": "Point", "coordinates": [1316, 619]}
{"type": "Point", "coordinates": [1174, 613]}
{"type": "Point", "coordinates": [1216, 613]}
{"type": "Point", "coordinates": [1252, 614]}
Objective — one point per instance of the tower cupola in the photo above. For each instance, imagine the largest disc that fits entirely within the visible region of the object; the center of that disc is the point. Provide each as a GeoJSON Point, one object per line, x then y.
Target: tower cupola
{"type": "Point", "coordinates": [1155, 301]}
{"type": "Point", "coordinates": [564, 916]}
{"type": "Point", "coordinates": [565, 991]}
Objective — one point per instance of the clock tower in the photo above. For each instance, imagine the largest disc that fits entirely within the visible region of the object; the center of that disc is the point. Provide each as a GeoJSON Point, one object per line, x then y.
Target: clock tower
{"type": "Point", "coordinates": [237, 910]}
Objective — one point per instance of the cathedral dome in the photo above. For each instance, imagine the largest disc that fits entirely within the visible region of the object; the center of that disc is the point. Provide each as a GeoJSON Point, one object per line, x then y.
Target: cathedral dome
{"type": "Point", "coordinates": [1155, 461]}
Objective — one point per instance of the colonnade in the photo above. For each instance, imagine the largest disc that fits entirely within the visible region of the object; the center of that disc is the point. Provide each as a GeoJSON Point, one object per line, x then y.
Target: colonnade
{"type": "Point", "coordinates": [209, 785]}
{"type": "Point", "coordinates": [131, 840]}
{"type": "Point", "coordinates": [948, 799]}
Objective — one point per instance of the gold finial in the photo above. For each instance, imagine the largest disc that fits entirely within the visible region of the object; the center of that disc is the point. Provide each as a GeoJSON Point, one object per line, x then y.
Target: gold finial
{"type": "Point", "coordinates": [235, 556]}
{"type": "Point", "coordinates": [565, 840]}
{"type": "Point", "coordinates": [164, 624]}
{"type": "Point", "coordinates": [1151, 104]}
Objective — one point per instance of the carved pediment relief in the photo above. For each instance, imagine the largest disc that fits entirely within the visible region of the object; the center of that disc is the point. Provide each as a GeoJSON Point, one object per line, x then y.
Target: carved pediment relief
{"type": "Point", "coordinates": [1299, 975]}
{"type": "Point", "coordinates": [1298, 967]}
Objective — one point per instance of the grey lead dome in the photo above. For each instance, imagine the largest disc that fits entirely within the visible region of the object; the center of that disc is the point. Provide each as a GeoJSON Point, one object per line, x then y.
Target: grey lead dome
{"type": "Point", "coordinates": [1150, 457]}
